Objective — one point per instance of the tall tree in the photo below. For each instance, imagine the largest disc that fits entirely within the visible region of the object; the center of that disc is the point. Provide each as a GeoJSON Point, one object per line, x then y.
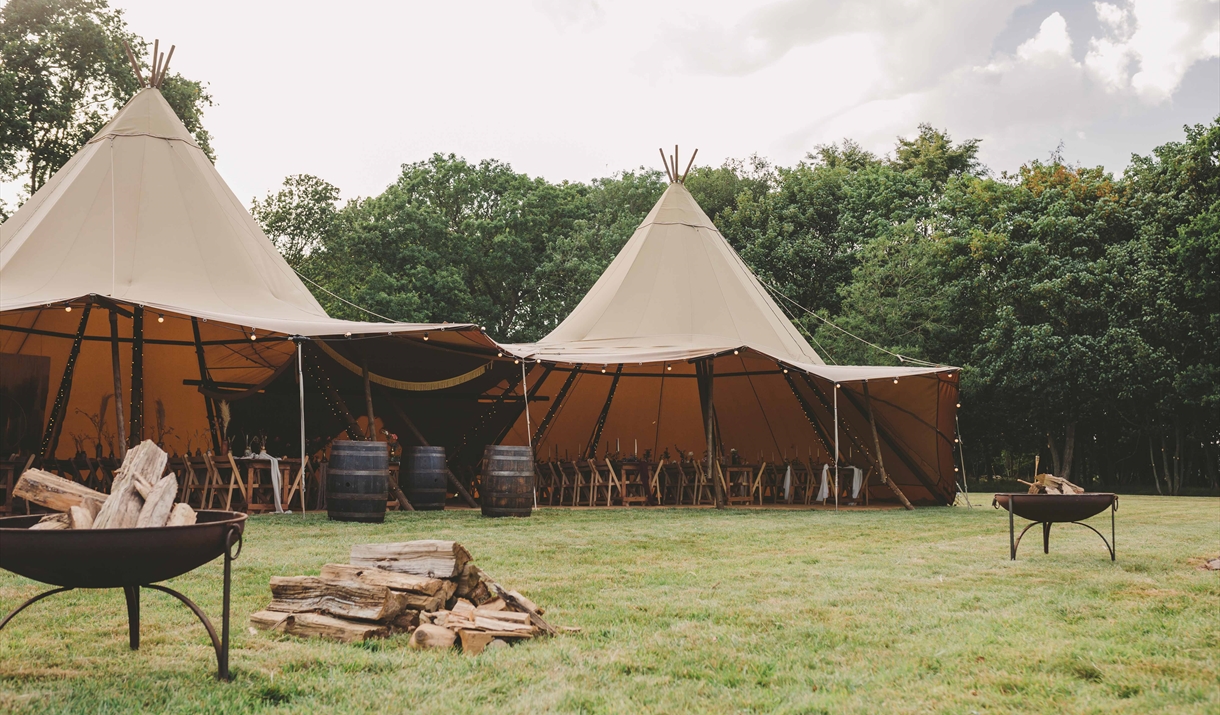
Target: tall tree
{"type": "Point", "coordinates": [63, 73]}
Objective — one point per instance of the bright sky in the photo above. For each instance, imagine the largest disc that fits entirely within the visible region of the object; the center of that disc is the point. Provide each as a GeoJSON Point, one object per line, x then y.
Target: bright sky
{"type": "Point", "coordinates": [574, 89]}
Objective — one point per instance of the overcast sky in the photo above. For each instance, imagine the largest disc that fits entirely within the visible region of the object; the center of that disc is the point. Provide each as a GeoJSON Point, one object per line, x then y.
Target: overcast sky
{"type": "Point", "coordinates": [575, 89]}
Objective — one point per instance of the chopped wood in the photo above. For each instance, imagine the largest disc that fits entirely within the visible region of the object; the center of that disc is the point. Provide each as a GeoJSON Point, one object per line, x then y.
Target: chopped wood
{"type": "Point", "coordinates": [473, 642]}
{"type": "Point", "coordinates": [494, 604]}
{"type": "Point", "coordinates": [389, 579]}
{"type": "Point", "coordinates": [502, 615]}
{"type": "Point", "coordinates": [346, 599]}
{"type": "Point", "coordinates": [430, 636]}
{"type": "Point", "coordinates": [55, 492]}
{"type": "Point", "coordinates": [463, 606]}
{"type": "Point", "coordinates": [317, 625]}
{"type": "Point", "coordinates": [80, 518]}
{"type": "Point", "coordinates": [122, 507]}
{"type": "Point", "coordinates": [526, 602]}
{"type": "Point", "coordinates": [427, 557]}
{"type": "Point", "coordinates": [492, 624]}
{"type": "Point", "coordinates": [144, 464]}
{"type": "Point", "coordinates": [1050, 484]}
{"type": "Point", "coordinates": [421, 602]}
{"type": "Point", "coordinates": [406, 621]}
{"type": "Point", "coordinates": [52, 522]}
{"type": "Point", "coordinates": [535, 617]}
{"type": "Point", "coordinates": [447, 590]}
{"type": "Point", "coordinates": [181, 515]}
{"type": "Point", "coordinates": [158, 503]}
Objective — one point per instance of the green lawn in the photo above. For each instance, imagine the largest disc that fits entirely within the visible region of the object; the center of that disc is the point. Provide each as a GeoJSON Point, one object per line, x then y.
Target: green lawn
{"type": "Point", "coordinates": [689, 611]}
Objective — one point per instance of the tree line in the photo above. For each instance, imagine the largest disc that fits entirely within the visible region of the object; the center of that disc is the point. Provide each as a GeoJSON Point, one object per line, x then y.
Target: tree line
{"type": "Point", "coordinates": [1082, 307]}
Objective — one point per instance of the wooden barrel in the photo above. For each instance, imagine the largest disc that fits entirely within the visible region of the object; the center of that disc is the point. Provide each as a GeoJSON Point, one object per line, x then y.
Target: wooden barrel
{"type": "Point", "coordinates": [423, 480]}
{"type": "Point", "coordinates": [508, 481]}
{"type": "Point", "coordinates": [357, 481]}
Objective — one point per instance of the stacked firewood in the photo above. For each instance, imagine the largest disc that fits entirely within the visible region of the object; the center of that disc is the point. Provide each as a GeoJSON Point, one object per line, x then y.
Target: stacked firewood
{"type": "Point", "coordinates": [429, 588]}
{"type": "Point", "coordinates": [139, 497]}
{"type": "Point", "coordinates": [1050, 484]}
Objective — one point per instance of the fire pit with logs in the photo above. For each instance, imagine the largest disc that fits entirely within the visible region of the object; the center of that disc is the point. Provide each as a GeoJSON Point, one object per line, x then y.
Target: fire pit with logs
{"type": "Point", "coordinates": [132, 538]}
{"type": "Point", "coordinates": [1052, 500]}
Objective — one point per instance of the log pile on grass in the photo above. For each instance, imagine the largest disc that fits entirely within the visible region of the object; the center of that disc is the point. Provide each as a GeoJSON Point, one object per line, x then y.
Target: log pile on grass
{"type": "Point", "coordinates": [430, 589]}
{"type": "Point", "coordinates": [140, 496]}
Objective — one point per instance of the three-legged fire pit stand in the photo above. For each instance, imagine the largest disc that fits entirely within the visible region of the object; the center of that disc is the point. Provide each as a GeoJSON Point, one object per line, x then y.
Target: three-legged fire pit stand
{"type": "Point", "coordinates": [1047, 509]}
{"type": "Point", "coordinates": [129, 559]}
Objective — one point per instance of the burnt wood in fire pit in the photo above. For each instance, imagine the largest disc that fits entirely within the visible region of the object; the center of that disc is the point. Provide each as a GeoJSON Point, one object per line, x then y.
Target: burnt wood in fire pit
{"type": "Point", "coordinates": [1047, 509]}
{"type": "Point", "coordinates": [125, 558]}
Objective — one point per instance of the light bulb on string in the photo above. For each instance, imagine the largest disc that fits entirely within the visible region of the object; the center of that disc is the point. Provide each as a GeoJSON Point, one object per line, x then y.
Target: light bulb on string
{"type": "Point", "coordinates": [425, 336]}
{"type": "Point", "coordinates": [67, 308]}
{"type": "Point", "coordinates": [895, 381]}
{"type": "Point", "coordinates": [160, 318]}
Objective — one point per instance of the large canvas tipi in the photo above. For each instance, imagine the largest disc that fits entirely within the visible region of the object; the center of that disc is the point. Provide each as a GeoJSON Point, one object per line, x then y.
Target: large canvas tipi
{"type": "Point", "coordinates": [134, 280]}
{"type": "Point", "coordinates": [678, 322]}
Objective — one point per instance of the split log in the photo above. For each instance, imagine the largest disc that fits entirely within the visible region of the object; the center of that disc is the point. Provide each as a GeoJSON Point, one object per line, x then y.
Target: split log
{"type": "Point", "coordinates": [495, 604]}
{"type": "Point", "coordinates": [462, 606]}
{"type": "Point", "coordinates": [346, 599]}
{"type": "Point", "coordinates": [317, 625]}
{"type": "Point", "coordinates": [122, 507]}
{"type": "Point", "coordinates": [421, 602]}
{"type": "Point", "coordinates": [514, 616]}
{"type": "Point", "coordinates": [530, 605]}
{"type": "Point", "coordinates": [389, 579]}
{"type": "Point", "coordinates": [181, 515]}
{"type": "Point", "coordinates": [473, 642]}
{"type": "Point", "coordinates": [52, 522]}
{"type": "Point", "coordinates": [430, 636]}
{"type": "Point", "coordinates": [144, 464]}
{"type": "Point", "coordinates": [55, 492]}
{"type": "Point", "coordinates": [492, 624]}
{"type": "Point", "coordinates": [517, 605]}
{"type": "Point", "coordinates": [158, 503]}
{"type": "Point", "coordinates": [80, 518]}
{"type": "Point", "coordinates": [428, 557]}
{"type": "Point", "coordinates": [406, 621]}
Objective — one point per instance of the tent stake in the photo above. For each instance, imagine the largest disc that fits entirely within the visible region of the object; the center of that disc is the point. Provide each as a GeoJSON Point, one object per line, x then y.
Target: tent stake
{"type": "Point", "coordinates": [119, 420]}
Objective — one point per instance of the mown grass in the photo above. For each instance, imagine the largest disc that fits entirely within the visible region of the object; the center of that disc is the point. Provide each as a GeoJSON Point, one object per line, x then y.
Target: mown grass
{"type": "Point", "coordinates": [689, 611]}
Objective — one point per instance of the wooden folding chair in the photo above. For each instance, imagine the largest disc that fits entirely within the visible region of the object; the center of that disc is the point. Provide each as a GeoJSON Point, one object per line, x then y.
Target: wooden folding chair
{"type": "Point", "coordinates": [604, 481]}
{"type": "Point", "coordinates": [636, 478]}
{"type": "Point", "coordinates": [582, 486]}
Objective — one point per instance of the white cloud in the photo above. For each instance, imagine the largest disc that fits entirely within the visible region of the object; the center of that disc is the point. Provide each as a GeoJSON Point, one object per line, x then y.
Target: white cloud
{"type": "Point", "coordinates": [1050, 44]}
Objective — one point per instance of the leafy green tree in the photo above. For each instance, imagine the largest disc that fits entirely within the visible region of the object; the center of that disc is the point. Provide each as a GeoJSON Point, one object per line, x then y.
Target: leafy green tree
{"type": "Point", "coordinates": [63, 73]}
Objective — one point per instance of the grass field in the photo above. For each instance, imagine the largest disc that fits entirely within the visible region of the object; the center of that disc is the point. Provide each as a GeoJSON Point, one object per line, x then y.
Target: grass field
{"type": "Point", "coordinates": [689, 611]}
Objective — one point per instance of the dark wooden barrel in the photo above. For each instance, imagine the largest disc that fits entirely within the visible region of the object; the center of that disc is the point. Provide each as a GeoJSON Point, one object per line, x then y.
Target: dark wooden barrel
{"type": "Point", "coordinates": [357, 481]}
{"type": "Point", "coordinates": [508, 481]}
{"type": "Point", "coordinates": [423, 480]}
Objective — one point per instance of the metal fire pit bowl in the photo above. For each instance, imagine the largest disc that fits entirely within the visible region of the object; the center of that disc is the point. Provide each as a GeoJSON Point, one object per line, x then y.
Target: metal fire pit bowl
{"type": "Point", "coordinates": [1047, 509]}
{"type": "Point", "coordinates": [125, 558]}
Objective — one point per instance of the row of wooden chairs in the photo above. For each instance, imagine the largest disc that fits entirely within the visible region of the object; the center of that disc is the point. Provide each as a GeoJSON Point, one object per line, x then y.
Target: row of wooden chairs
{"type": "Point", "coordinates": [593, 482]}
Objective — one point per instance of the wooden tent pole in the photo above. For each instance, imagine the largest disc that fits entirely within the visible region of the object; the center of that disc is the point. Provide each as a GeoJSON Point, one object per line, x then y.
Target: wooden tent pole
{"type": "Point", "coordinates": [704, 371]}
{"type": "Point", "coordinates": [554, 409]}
{"type": "Point", "coordinates": [50, 439]}
{"type": "Point", "coordinates": [885, 479]}
{"type": "Point", "coordinates": [532, 392]}
{"type": "Point", "coordinates": [301, 397]}
{"type": "Point", "coordinates": [591, 452]}
{"type": "Point", "coordinates": [809, 414]}
{"type": "Point", "coordinates": [134, 65]}
{"type": "Point", "coordinates": [368, 401]}
{"type": "Point", "coordinates": [136, 434]}
{"type": "Point", "coordinates": [665, 161]}
{"type": "Point", "coordinates": [119, 420]}
{"type": "Point", "coordinates": [206, 381]}
{"type": "Point", "coordinates": [689, 165]}
{"type": "Point", "coordinates": [888, 439]}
